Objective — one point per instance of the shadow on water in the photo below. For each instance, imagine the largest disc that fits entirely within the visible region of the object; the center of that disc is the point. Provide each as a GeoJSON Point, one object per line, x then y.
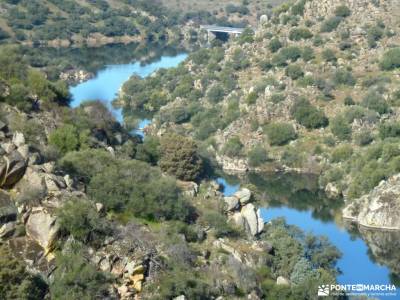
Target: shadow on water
{"type": "Point", "coordinates": [369, 256]}
{"type": "Point", "coordinates": [297, 191]}
{"type": "Point", "coordinates": [93, 59]}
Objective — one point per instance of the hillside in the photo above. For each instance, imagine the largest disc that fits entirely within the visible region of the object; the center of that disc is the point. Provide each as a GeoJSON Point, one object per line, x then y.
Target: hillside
{"type": "Point", "coordinates": [305, 110]}
{"type": "Point", "coordinates": [90, 211]}
{"type": "Point", "coordinates": [98, 22]}
{"type": "Point", "coordinates": [313, 89]}
{"type": "Point", "coordinates": [237, 11]}
{"type": "Point", "coordinates": [95, 22]}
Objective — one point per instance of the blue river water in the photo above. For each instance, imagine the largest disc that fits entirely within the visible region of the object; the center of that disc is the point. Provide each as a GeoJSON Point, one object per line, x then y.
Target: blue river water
{"type": "Point", "coordinates": [107, 82]}
{"type": "Point", "coordinates": [356, 265]}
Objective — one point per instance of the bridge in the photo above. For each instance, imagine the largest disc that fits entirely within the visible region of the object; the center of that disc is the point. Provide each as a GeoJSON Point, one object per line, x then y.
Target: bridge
{"type": "Point", "coordinates": [221, 29]}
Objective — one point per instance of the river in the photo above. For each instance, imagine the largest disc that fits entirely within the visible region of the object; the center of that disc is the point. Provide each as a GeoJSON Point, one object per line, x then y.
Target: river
{"type": "Point", "coordinates": [297, 199]}
{"type": "Point", "coordinates": [293, 199]}
{"type": "Point", "coordinates": [107, 82]}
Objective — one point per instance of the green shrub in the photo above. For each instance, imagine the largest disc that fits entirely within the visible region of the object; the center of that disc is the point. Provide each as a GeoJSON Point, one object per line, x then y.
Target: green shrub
{"type": "Point", "coordinates": [306, 81]}
{"type": "Point", "coordinates": [291, 53]}
{"type": "Point", "coordinates": [307, 115]}
{"type": "Point", "coordinates": [79, 218]}
{"type": "Point", "coordinates": [340, 128]}
{"type": "Point", "coordinates": [374, 34]}
{"type": "Point", "coordinates": [298, 8]}
{"type": "Point", "coordinates": [233, 147]}
{"type": "Point", "coordinates": [331, 24]}
{"type": "Point", "coordinates": [274, 45]}
{"type": "Point", "coordinates": [294, 72]}
{"type": "Point", "coordinates": [216, 93]}
{"type": "Point", "coordinates": [297, 34]}
{"type": "Point", "coordinates": [318, 41]}
{"type": "Point", "coordinates": [391, 59]}
{"type": "Point", "coordinates": [239, 60]}
{"type": "Point", "coordinates": [15, 281]}
{"type": "Point", "coordinates": [348, 101]}
{"type": "Point", "coordinates": [389, 129]}
{"type": "Point", "coordinates": [87, 163]}
{"type": "Point", "coordinates": [76, 278]}
{"type": "Point", "coordinates": [342, 11]}
{"type": "Point", "coordinates": [344, 77]}
{"type": "Point", "coordinates": [252, 98]}
{"type": "Point", "coordinates": [179, 157]}
{"type": "Point", "coordinates": [280, 133]}
{"type": "Point", "coordinates": [341, 153]}
{"type": "Point", "coordinates": [219, 223]}
{"type": "Point", "coordinates": [277, 97]}
{"type": "Point", "coordinates": [133, 188]}
{"type": "Point", "coordinates": [363, 138]}
{"type": "Point", "coordinates": [374, 101]}
{"type": "Point", "coordinates": [149, 150]}
{"type": "Point", "coordinates": [308, 54]}
{"type": "Point", "coordinates": [257, 156]}
{"type": "Point", "coordinates": [67, 138]}
{"type": "Point", "coordinates": [266, 65]}
{"type": "Point", "coordinates": [329, 55]}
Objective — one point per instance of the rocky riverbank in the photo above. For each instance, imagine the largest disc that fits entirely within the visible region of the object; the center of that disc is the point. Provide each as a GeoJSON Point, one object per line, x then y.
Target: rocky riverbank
{"type": "Point", "coordinates": [380, 209]}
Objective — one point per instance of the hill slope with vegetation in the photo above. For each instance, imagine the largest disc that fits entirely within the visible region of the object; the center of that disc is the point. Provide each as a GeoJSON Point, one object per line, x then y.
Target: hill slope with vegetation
{"type": "Point", "coordinates": [313, 89]}
{"type": "Point", "coordinates": [94, 22]}
{"type": "Point", "coordinates": [89, 210]}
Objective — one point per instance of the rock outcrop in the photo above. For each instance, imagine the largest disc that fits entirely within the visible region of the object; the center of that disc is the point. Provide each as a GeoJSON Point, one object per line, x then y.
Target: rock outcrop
{"type": "Point", "coordinates": [12, 168]}
{"type": "Point", "coordinates": [43, 228]}
{"type": "Point", "coordinates": [243, 213]}
{"type": "Point", "coordinates": [378, 209]}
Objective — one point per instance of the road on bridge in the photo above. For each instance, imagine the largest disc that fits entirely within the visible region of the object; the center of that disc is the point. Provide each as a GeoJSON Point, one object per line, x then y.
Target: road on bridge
{"type": "Point", "coordinates": [230, 30]}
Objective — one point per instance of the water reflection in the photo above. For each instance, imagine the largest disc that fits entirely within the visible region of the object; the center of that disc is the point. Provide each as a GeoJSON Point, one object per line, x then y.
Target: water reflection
{"type": "Point", "coordinates": [369, 256]}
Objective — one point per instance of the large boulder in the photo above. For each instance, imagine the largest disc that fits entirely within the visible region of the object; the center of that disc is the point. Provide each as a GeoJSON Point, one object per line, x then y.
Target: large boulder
{"type": "Point", "coordinates": [12, 168]}
{"type": "Point", "coordinates": [18, 139]}
{"type": "Point", "coordinates": [378, 209]}
{"type": "Point", "coordinates": [253, 219]}
{"type": "Point", "coordinates": [249, 219]}
{"type": "Point", "coordinates": [8, 211]}
{"type": "Point", "coordinates": [238, 199]}
{"type": "Point", "coordinates": [231, 203]}
{"type": "Point", "coordinates": [243, 195]}
{"type": "Point", "coordinates": [42, 227]}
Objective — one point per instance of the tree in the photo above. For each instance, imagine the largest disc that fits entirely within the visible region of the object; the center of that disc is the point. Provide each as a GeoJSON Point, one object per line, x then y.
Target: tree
{"type": "Point", "coordinates": [298, 34]}
{"type": "Point", "coordinates": [331, 24]}
{"type": "Point", "coordinates": [344, 77]}
{"type": "Point", "coordinates": [76, 278]}
{"type": "Point", "coordinates": [294, 72]}
{"type": "Point", "coordinates": [87, 163]}
{"type": "Point", "coordinates": [389, 129]}
{"type": "Point", "coordinates": [391, 59]}
{"type": "Point", "coordinates": [233, 147]}
{"type": "Point", "coordinates": [15, 281]}
{"type": "Point", "coordinates": [149, 150]}
{"type": "Point", "coordinates": [39, 86]}
{"type": "Point", "coordinates": [257, 156]}
{"type": "Point", "coordinates": [135, 189]}
{"type": "Point", "coordinates": [216, 93]}
{"type": "Point", "coordinates": [67, 138]}
{"type": "Point", "coordinates": [374, 101]}
{"type": "Point", "coordinates": [179, 157]}
{"type": "Point", "coordinates": [274, 45]}
{"type": "Point", "coordinates": [342, 11]}
{"type": "Point", "coordinates": [79, 218]}
{"type": "Point", "coordinates": [307, 115]}
{"type": "Point", "coordinates": [280, 133]}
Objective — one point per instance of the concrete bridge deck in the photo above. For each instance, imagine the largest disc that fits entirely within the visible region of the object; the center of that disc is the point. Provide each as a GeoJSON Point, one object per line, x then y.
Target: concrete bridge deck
{"type": "Point", "coordinates": [229, 30]}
